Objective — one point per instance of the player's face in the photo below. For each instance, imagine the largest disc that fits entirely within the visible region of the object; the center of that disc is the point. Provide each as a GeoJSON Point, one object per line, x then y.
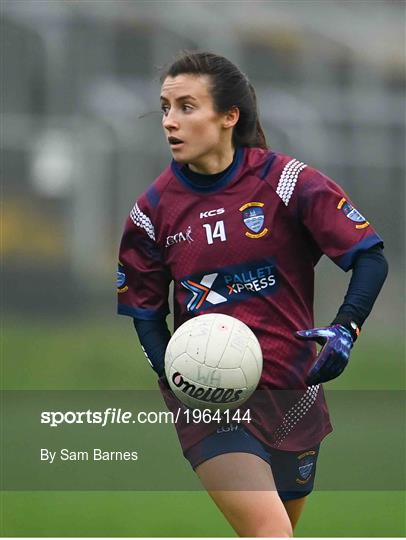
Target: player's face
{"type": "Point", "coordinates": [196, 133]}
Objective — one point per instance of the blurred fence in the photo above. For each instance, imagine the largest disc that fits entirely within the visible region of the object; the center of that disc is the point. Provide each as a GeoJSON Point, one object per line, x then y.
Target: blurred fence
{"type": "Point", "coordinates": [79, 79]}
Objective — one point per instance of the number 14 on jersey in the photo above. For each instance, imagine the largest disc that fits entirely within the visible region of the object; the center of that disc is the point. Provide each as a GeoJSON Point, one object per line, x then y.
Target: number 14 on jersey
{"type": "Point", "coordinates": [218, 231]}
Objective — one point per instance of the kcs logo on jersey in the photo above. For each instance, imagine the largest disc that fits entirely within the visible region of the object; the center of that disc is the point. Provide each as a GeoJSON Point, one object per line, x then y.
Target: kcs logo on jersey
{"type": "Point", "coordinates": [254, 218]}
{"type": "Point", "coordinates": [211, 213]}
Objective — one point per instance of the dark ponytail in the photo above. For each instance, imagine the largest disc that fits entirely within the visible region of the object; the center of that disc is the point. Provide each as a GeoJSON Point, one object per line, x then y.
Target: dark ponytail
{"type": "Point", "coordinates": [229, 88]}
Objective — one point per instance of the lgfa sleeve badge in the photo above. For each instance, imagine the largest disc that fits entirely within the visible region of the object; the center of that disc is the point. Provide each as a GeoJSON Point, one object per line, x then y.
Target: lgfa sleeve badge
{"type": "Point", "coordinates": [254, 218]}
{"type": "Point", "coordinates": [121, 279]}
{"type": "Point", "coordinates": [352, 213]}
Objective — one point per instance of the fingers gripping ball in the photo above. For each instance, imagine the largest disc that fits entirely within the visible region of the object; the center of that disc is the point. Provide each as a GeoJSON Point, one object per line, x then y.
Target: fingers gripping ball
{"type": "Point", "coordinates": [213, 361]}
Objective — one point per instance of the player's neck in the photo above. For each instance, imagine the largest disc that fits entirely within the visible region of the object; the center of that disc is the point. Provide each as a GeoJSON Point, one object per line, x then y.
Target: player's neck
{"type": "Point", "coordinates": [213, 164]}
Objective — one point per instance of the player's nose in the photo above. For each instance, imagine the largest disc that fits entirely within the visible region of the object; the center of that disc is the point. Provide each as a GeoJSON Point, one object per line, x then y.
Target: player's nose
{"type": "Point", "coordinates": [170, 122]}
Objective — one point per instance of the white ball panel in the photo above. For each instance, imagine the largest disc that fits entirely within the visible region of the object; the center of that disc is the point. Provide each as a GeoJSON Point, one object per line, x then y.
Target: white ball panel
{"type": "Point", "coordinates": [178, 344]}
{"type": "Point", "coordinates": [185, 365]}
{"type": "Point", "coordinates": [238, 342]}
{"type": "Point", "coordinates": [235, 349]}
{"type": "Point", "coordinates": [218, 340]}
{"type": "Point", "coordinates": [256, 350]}
{"type": "Point", "coordinates": [168, 359]}
{"type": "Point", "coordinates": [232, 378]}
{"type": "Point", "coordinates": [230, 358]}
{"type": "Point", "coordinates": [198, 338]}
{"type": "Point", "coordinates": [250, 368]}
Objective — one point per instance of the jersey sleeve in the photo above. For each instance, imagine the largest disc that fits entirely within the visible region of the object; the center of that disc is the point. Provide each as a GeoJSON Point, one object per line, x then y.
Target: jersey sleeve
{"type": "Point", "coordinates": [338, 228]}
{"type": "Point", "coordinates": [142, 278]}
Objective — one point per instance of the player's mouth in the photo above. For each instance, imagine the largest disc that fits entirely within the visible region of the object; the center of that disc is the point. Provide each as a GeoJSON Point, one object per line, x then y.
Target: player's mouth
{"type": "Point", "coordinates": [174, 142]}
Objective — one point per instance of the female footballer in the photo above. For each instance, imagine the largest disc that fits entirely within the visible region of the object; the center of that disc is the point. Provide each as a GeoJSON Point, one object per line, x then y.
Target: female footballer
{"type": "Point", "coordinates": [238, 228]}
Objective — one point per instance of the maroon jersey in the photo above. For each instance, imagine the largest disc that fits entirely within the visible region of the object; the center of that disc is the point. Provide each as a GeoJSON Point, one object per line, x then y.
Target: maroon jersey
{"type": "Point", "coordinates": [247, 247]}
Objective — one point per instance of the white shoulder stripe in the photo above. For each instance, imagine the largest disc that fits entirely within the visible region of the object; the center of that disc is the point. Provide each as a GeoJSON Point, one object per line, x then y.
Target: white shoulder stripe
{"type": "Point", "coordinates": [143, 221]}
{"type": "Point", "coordinates": [288, 179]}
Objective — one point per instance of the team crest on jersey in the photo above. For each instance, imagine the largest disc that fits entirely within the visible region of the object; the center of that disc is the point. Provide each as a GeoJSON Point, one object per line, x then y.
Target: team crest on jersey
{"type": "Point", "coordinates": [121, 279]}
{"type": "Point", "coordinates": [352, 213]}
{"type": "Point", "coordinates": [305, 466]}
{"type": "Point", "coordinates": [254, 219]}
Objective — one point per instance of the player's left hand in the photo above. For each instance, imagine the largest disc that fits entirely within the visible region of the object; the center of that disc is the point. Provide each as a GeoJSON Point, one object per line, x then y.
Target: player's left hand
{"type": "Point", "coordinates": [333, 357]}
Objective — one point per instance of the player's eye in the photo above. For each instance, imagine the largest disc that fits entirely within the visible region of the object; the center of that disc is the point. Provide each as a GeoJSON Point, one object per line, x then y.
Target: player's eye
{"type": "Point", "coordinates": [165, 109]}
{"type": "Point", "coordinates": [187, 108]}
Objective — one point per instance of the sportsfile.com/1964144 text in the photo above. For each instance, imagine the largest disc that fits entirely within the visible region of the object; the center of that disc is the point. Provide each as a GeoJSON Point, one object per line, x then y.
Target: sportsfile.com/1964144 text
{"type": "Point", "coordinates": [113, 415]}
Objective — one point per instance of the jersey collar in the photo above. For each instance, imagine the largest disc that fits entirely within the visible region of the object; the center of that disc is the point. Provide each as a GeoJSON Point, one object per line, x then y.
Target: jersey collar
{"type": "Point", "coordinates": [217, 186]}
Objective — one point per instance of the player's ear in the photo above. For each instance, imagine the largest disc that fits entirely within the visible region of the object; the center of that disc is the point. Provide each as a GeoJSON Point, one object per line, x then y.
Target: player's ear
{"type": "Point", "coordinates": [231, 117]}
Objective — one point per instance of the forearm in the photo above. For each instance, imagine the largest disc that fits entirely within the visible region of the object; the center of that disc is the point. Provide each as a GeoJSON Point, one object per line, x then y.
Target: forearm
{"type": "Point", "coordinates": [369, 273]}
{"type": "Point", "coordinates": [154, 337]}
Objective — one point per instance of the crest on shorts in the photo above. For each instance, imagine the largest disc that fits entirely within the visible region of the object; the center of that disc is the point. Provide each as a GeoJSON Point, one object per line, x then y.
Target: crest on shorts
{"type": "Point", "coordinates": [352, 214]}
{"type": "Point", "coordinates": [305, 466]}
{"type": "Point", "coordinates": [254, 218]}
{"type": "Point", "coordinates": [306, 470]}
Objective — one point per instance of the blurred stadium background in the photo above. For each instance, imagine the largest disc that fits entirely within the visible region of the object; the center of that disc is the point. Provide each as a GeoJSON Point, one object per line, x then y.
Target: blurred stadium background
{"type": "Point", "coordinates": [81, 139]}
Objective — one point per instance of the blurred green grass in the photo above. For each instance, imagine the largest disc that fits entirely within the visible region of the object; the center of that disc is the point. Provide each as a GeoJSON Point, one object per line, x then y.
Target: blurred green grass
{"type": "Point", "coordinates": [191, 514]}
{"type": "Point", "coordinates": [92, 354]}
